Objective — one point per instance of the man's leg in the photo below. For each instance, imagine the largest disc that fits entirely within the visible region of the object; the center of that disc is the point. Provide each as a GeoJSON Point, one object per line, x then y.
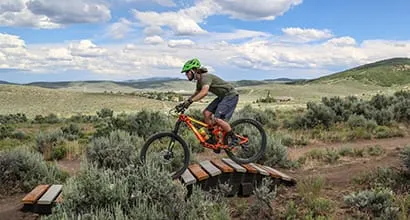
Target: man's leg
{"type": "Point", "coordinates": [210, 110]}
{"type": "Point", "coordinates": [223, 113]}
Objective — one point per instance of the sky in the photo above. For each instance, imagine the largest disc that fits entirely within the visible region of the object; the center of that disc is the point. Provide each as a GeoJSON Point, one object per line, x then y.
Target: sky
{"type": "Point", "coordinates": [49, 40]}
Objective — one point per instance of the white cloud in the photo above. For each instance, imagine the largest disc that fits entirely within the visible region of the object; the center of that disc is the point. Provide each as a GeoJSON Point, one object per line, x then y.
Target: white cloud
{"type": "Point", "coordinates": [256, 9]}
{"type": "Point", "coordinates": [342, 41]}
{"type": "Point", "coordinates": [59, 54]}
{"type": "Point", "coordinates": [180, 24]}
{"type": "Point", "coordinates": [120, 29]}
{"type": "Point", "coordinates": [52, 14]}
{"type": "Point", "coordinates": [11, 41]}
{"type": "Point", "coordinates": [86, 48]}
{"type": "Point", "coordinates": [181, 43]}
{"type": "Point", "coordinates": [141, 60]}
{"type": "Point", "coordinates": [237, 34]}
{"type": "Point", "coordinates": [308, 34]}
{"type": "Point", "coordinates": [183, 22]}
{"type": "Point", "coordinates": [154, 40]}
{"type": "Point", "coordinates": [153, 30]}
{"type": "Point", "coordinates": [166, 3]}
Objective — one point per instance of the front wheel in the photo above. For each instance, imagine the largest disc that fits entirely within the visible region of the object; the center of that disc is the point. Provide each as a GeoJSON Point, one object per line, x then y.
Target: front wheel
{"type": "Point", "coordinates": [167, 150]}
{"type": "Point", "coordinates": [254, 147]}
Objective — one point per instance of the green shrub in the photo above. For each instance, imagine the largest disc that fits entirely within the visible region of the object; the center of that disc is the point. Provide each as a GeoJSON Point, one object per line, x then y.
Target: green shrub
{"type": "Point", "coordinates": [58, 152]}
{"type": "Point", "coordinates": [19, 135]}
{"type": "Point", "coordinates": [13, 118]}
{"type": "Point", "coordinates": [141, 192]}
{"type": "Point", "coordinates": [276, 154]}
{"type": "Point", "coordinates": [387, 132]}
{"type": "Point", "coordinates": [22, 170]}
{"type": "Point", "coordinates": [46, 142]}
{"type": "Point", "coordinates": [331, 156]}
{"type": "Point", "coordinates": [266, 117]}
{"type": "Point", "coordinates": [6, 131]}
{"type": "Point", "coordinates": [376, 202]}
{"type": "Point", "coordinates": [105, 113]}
{"type": "Point", "coordinates": [316, 115]}
{"type": "Point", "coordinates": [401, 110]}
{"type": "Point", "coordinates": [383, 116]}
{"type": "Point", "coordinates": [341, 107]}
{"type": "Point", "coordinates": [381, 101]}
{"type": "Point", "coordinates": [356, 121]}
{"type": "Point", "coordinates": [146, 123]}
{"type": "Point", "coordinates": [49, 119]}
{"type": "Point", "coordinates": [376, 150]}
{"type": "Point", "coordinates": [117, 151]}
{"type": "Point", "coordinates": [71, 132]}
{"type": "Point", "coordinates": [405, 155]}
{"type": "Point", "coordinates": [346, 152]}
{"type": "Point", "coordinates": [262, 208]}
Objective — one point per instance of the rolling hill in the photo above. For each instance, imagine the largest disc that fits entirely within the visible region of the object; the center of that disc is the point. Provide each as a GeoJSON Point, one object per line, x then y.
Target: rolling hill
{"type": "Point", "coordinates": [384, 73]}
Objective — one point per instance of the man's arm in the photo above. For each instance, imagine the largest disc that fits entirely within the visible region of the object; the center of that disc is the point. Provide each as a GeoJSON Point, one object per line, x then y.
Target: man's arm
{"type": "Point", "coordinates": [200, 94]}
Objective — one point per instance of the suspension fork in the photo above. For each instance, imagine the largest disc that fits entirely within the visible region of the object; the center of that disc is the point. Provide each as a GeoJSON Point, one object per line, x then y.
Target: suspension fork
{"type": "Point", "coordinates": [175, 131]}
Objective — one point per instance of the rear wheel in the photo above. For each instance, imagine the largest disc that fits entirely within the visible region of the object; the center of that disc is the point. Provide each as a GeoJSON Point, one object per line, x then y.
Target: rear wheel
{"type": "Point", "coordinates": [167, 150]}
{"type": "Point", "coordinates": [248, 151]}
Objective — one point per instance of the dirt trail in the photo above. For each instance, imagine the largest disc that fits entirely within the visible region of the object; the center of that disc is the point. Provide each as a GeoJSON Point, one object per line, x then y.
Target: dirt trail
{"type": "Point", "coordinates": [390, 143]}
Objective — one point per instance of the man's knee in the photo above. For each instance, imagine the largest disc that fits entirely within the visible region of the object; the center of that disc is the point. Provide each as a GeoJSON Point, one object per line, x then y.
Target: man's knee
{"type": "Point", "coordinates": [207, 114]}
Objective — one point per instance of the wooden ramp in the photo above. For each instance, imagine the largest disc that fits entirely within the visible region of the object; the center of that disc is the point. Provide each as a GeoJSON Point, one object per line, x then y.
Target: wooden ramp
{"type": "Point", "coordinates": [242, 178]}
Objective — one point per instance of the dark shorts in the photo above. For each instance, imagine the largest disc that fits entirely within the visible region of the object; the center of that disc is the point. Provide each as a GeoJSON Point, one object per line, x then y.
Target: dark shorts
{"type": "Point", "coordinates": [223, 108]}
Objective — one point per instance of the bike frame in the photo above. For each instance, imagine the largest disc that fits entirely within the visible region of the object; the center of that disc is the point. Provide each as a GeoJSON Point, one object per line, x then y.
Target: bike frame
{"type": "Point", "coordinates": [217, 131]}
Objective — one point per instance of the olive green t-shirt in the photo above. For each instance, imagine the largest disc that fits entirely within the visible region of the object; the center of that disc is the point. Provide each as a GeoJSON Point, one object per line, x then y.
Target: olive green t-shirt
{"type": "Point", "coordinates": [217, 86]}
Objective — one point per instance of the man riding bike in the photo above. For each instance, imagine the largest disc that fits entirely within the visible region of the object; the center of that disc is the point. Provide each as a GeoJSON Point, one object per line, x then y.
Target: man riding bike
{"type": "Point", "coordinates": [221, 109]}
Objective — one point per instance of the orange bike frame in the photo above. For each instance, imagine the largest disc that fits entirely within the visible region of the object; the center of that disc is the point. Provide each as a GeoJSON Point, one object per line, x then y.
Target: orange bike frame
{"type": "Point", "coordinates": [189, 121]}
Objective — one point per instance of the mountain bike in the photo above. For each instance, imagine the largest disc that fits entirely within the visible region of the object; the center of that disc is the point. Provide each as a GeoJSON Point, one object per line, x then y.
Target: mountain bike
{"type": "Point", "coordinates": [172, 152]}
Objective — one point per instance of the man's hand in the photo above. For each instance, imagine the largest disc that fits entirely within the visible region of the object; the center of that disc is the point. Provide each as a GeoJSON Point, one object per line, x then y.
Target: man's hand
{"type": "Point", "coordinates": [184, 105]}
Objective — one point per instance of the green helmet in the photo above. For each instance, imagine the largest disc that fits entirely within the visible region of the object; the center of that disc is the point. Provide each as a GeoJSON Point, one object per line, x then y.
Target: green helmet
{"type": "Point", "coordinates": [194, 63]}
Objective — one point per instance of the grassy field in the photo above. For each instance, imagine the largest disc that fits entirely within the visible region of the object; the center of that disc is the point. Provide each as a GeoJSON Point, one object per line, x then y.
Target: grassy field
{"type": "Point", "coordinates": [34, 100]}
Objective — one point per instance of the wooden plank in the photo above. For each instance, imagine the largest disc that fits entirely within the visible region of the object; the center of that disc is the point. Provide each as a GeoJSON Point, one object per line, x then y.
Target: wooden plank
{"type": "Point", "coordinates": [188, 178]}
{"type": "Point", "coordinates": [35, 194]}
{"type": "Point", "coordinates": [222, 166]}
{"type": "Point", "coordinates": [234, 165]}
{"type": "Point", "coordinates": [50, 195]}
{"type": "Point", "coordinates": [271, 173]}
{"type": "Point", "coordinates": [259, 169]}
{"type": "Point", "coordinates": [59, 199]}
{"type": "Point", "coordinates": [250, 168]}
{"type": "Point", "coordinates": [277, 172]}
{"type": "Point", "coordinates": [198, 172]}
{"type": "Point", "coordinates": [211, 169]}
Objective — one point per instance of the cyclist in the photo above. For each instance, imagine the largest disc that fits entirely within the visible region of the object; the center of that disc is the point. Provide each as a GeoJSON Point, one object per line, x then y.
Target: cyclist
{"type": "Point", "coordinates": [221, 109]}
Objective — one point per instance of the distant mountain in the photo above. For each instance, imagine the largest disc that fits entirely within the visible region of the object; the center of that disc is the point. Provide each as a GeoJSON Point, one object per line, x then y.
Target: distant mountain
{"type": "Point", "coordinates": [151, 79]}
{"type": "Point", "coordinates": [5, 82]}
{"type": "Point", "coordinates": [386, 73]}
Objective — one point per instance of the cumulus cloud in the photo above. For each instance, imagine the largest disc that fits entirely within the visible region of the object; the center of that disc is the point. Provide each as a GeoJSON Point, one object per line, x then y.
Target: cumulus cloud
{"type": "Point", "coordinates": [342, 41]}
{"type": "Point", "coordinates": [181, 43]}
{"type": "Point", "coordinates": [140, 60]}
{"type": "Point", "coordinates": [166, 3]}
{"type": "Point", "coordinates": [256, 9]}
{"type": "Point", "coordinates": [183, 22]}
{"type": "Point", "coordinates": [52, 14]}
{"type": "Point", "coordinates": [120, 29]}
{"type": "Point", "coordinates": [306, 35]}
{"type": "Point", "coordinates": [154, 40]}
{"type": "Point", "coordinates": [86, 48]}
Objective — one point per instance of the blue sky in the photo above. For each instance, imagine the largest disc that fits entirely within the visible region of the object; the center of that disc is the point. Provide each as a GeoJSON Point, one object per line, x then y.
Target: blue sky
{"type": "Point", "coordinates": [46, 40]}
